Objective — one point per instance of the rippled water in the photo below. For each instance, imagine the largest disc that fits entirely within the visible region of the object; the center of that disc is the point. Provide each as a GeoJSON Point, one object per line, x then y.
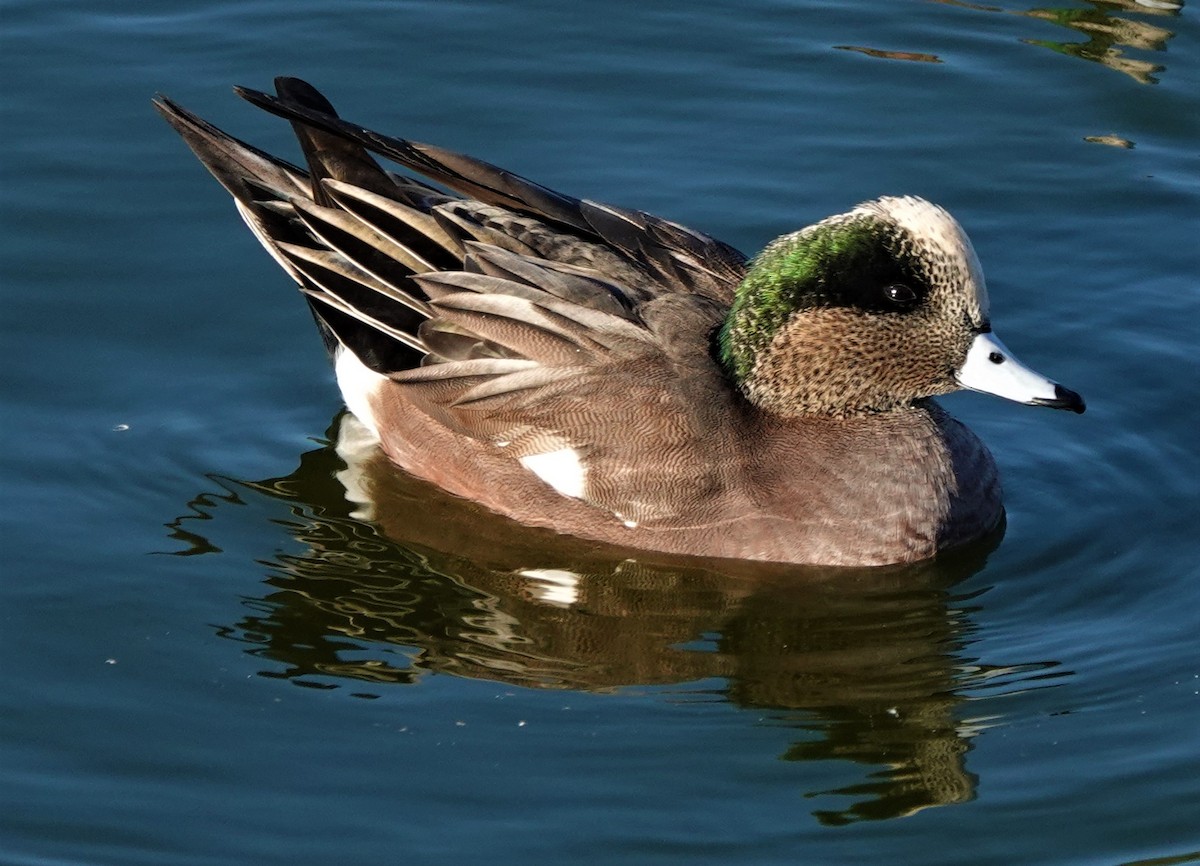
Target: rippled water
{"type": "Point", "coordinates": [212, 659]}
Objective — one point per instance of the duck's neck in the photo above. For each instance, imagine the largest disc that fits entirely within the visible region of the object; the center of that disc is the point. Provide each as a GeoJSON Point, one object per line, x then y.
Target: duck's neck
{"type": "Point", "coordinates": [761, 305]}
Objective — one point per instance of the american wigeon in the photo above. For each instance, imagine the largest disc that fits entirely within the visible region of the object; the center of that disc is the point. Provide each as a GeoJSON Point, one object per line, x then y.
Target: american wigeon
{"type": "Point", "coordinates": [612, 375]}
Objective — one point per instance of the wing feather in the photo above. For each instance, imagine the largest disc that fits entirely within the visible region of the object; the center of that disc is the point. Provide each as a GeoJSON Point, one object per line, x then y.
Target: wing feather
{"type": "Point", "coordinates": [503, 310]}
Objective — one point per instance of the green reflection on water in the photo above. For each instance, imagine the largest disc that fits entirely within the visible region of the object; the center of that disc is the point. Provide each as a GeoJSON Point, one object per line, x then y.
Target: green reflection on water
{"type": "Point", "coordinates": [1108, 34]}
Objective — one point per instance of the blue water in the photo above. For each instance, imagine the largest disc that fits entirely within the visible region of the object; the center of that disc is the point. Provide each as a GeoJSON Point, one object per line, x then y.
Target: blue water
{"type": "Point", "coordinates": [208, 658]}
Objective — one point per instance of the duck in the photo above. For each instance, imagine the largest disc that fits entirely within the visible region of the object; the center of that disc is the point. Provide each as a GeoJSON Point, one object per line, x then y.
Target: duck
{"type": "Point", "coordinates": [616, 376]}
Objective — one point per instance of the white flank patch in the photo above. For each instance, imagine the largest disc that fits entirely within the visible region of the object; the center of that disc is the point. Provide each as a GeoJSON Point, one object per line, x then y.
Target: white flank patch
{"type": "Point", "coordinates": [355, 445]}
{"type": "Point", "coordinates": [562, 469]}
{"type": "Point", "coordinates": [553, 586]}
{"type": "Point", "coordinates": [358, 383]}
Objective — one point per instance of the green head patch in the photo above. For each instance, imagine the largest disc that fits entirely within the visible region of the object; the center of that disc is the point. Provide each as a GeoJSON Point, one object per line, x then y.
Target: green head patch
{"type": "Point", "coordinates": [857, 261]}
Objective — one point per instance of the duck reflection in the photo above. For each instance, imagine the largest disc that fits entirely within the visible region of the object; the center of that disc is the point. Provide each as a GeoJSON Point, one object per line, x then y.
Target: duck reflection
{"type": "Point", "coordinates": [1107, 30]}
{"type": "Point", "coordinates": [868, 664]}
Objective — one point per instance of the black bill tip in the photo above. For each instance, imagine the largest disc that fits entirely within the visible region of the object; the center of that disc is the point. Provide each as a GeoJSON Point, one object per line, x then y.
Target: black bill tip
{"type": "Point", "coordinates": [1064, 398]}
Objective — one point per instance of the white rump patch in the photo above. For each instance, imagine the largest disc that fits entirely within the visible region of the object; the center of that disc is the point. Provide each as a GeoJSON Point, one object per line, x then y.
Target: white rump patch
{"type": "Point", "coordinates": [553, 586]}
{"type": "Point", "coordinates": [358, 384]}
{"type": "Point", "coordinates": [562, 469]}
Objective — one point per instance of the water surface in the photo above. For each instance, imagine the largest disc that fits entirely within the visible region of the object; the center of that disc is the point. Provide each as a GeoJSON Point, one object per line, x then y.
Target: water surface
{"type": "Point", "coordinates": [213, 658]}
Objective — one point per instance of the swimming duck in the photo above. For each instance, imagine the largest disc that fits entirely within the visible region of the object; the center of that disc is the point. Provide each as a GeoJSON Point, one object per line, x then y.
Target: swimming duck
{"type": "Point", "coordinates": [612, 375]}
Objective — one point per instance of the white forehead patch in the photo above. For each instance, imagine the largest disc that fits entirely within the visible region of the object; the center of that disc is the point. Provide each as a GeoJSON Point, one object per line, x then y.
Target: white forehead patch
{"type": "Point", "coordinates": [939, 236]}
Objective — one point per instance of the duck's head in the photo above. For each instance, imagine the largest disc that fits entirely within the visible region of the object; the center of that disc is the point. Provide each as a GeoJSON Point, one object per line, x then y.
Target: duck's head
{"type": "Point", "coordinates": [869, 311]}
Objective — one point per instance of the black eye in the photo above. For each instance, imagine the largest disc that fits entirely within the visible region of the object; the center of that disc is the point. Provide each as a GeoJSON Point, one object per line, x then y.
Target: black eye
{"type": "Point", "coordinates": [899, 294]}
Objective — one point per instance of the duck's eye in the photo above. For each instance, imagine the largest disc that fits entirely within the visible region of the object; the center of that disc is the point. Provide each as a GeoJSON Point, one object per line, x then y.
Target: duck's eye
{"type": "Point", "coordinates": [900, 294]}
